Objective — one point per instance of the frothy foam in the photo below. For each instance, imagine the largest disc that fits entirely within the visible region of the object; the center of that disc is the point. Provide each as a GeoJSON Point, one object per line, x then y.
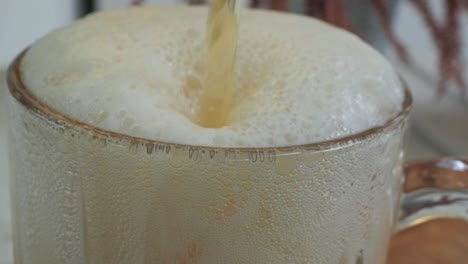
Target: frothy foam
{"type": "Point", "coordinates": [138, 71]}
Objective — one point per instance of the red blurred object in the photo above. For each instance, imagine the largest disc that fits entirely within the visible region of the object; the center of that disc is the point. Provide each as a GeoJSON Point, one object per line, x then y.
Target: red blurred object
{"type": "Point", "coordinates": [137, 2]}
{"type": "Point", "coordinates": [383, 12]}
{"type": "Point", "coordinates": [446, 36]}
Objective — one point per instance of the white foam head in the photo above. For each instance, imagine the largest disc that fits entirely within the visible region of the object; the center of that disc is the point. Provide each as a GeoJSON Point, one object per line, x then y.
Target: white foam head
{"type": "Point", "coordinates": [136, 71]}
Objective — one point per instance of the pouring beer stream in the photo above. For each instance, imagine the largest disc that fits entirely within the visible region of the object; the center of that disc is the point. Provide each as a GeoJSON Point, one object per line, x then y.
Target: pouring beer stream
{"type": "Point", "coordinates": [215, 99]}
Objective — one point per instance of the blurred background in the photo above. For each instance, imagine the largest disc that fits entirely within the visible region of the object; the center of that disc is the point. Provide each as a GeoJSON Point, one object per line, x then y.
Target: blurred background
{"type": "Point", "coordinates": [439, 124]}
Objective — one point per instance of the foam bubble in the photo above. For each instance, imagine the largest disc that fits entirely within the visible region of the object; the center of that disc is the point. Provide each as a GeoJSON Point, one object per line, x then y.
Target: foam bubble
{"type": "Point", "coordinates": [138, 71]}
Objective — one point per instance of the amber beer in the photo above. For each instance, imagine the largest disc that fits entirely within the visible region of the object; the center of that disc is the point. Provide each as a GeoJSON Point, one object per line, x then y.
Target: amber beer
{"type": "Point", "coordinates": [109, 165]}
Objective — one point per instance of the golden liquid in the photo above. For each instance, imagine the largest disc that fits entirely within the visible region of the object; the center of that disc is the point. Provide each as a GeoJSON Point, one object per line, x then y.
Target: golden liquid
{"type": "Point", "coordinates": [215, 99]}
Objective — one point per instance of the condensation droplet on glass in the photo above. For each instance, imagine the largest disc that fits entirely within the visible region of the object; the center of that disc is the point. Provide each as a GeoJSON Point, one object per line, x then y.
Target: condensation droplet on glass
{"type": "Point", "coordinates": [177, 158]}
{"type": "Point", "coordinates": [133, 147]}
{"type": "Point", "coordinates": [231, 207]}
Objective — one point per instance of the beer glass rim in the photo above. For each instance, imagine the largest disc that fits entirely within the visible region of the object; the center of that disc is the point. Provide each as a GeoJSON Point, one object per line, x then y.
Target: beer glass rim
{"type": "Point", "coordinates": [20, 92]}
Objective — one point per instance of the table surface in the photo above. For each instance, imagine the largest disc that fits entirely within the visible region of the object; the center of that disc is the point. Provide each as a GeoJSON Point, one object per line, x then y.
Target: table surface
{"type": "Point", "coordinates": [433, 242]}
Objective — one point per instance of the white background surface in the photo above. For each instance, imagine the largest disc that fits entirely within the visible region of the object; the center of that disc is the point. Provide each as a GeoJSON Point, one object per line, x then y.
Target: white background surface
{"type": "Point", "coordinates": [5, 230]}
{"type": "Point", "coordinates": [22, 21]}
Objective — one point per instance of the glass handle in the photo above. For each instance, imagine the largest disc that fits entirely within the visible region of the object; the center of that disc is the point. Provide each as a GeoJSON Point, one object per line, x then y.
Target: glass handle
{"type": "Point", "coordinates": [434, 189]}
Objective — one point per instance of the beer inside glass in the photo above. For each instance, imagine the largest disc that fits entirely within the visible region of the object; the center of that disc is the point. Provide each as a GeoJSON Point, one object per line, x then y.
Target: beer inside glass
{"type": "Point", "coordinates": [86, 195]}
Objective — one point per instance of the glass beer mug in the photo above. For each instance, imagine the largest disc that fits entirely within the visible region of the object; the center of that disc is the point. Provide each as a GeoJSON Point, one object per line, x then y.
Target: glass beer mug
{"type": "Point", "coordinates": [81, 194]}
